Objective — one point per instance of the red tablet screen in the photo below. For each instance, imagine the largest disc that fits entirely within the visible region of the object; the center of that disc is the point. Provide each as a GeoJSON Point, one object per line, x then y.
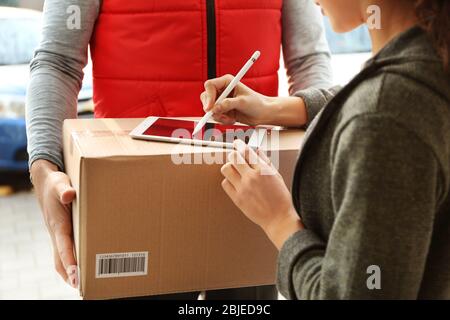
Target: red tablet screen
{"type": "Point", "coordinates": [173, 128]}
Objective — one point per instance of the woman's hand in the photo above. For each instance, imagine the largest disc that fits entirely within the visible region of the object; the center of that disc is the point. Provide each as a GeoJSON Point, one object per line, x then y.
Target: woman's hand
{"type": "Point", "coordinates": [257, 188]}
{"type": "Point", "coordinates": [55, 195]}
{"type": "Point", "coordinates": [250, 107]}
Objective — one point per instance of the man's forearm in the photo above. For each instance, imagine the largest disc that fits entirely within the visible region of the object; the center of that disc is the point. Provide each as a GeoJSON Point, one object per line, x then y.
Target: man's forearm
{"type": "Point", "coordinates": [305, 48]}
{"type": "Point", "coordinates": [50, 99]}
{"type": "Point", "coordinates": [287, 112]}
{"type": "Point", "coordinates": [313, 71]}
{"type": "Point", "coordinates": [56, 77]}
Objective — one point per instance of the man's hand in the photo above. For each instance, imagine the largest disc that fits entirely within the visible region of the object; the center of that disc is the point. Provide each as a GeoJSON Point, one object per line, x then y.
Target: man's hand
{"type": "Point", "coordinates": [55, 195]}
{"type": "Point", "coordinates": [250, 107]}
{"type": "Point", "coordinates": [244, 105]}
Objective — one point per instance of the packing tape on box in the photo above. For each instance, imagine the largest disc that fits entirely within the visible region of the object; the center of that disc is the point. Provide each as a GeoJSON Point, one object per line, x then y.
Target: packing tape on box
{"type": "Point", "coordinates": [90, 139]}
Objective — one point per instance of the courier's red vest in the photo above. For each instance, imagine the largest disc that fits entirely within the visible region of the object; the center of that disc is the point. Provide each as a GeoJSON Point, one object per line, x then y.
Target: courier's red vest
{"type": "Point", "coordinates": [151, 57]}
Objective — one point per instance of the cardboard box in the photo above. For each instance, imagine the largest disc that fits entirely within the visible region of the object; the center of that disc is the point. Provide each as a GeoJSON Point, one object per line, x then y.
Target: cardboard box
{"type": "Point", "coordinates": [170, 226]}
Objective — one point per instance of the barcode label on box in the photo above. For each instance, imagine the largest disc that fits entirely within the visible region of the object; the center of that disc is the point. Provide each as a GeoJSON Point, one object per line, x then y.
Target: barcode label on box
{"type": "Point", "coordinates": [127, 264]}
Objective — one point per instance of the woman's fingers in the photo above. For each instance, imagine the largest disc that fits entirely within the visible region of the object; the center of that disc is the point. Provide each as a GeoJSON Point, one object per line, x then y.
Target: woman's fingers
{"type": "Point", "coordinates": [238, 162]}
{"type": "Point", "coordinates": [229, 189]}
{"type": "Point", "coordinates": [264, 157]}
{"type": "Point", "coordinates": [231, 174]}
{"type": "Point", "coordinates": [248, 154]}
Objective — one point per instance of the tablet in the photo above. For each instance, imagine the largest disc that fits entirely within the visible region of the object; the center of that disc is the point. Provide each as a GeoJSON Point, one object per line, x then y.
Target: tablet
{"type": "Point", "coordinates": [213, 134]}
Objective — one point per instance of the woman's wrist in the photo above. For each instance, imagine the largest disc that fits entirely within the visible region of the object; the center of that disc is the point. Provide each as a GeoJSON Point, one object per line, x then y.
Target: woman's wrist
{"type": "Point", "coordinates": [282, 228]}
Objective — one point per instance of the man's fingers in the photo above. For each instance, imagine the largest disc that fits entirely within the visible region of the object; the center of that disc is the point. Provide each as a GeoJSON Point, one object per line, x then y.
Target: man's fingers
{"type": "Point", "coordinates": [59, 267]}
{"type": "Point", "coordinates": [61, 230]}
{"type": "Point", "coordinates": [203, 97]}
{"type": "Point", "coordinates": [210, 95]}
{"type": "Point", "coordinates": [64, 245]}
{"type": "Point", "coordinates": [224, 119]}
{"type": "Point", "coordinates": [212, 88]}
{"type": "Point", "coordinates": [73, 277]}
{"type": "Point", "coordinates": [229, 104]}
{"type": "Point", "coordinates": [69, 274]}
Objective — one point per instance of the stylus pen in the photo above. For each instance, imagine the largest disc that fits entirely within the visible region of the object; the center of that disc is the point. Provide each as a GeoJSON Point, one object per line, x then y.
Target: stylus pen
{"type": "Point", "coordinates": [227, 91]}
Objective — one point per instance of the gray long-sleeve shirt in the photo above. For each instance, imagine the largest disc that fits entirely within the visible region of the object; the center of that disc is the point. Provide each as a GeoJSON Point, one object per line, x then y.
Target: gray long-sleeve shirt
{"type": "Point", "coordinates": [56, 70]}
{"type": "Point", "coordinates": [372, 183]}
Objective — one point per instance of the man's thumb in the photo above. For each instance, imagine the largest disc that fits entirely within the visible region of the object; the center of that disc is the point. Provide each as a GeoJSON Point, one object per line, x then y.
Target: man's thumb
{"type": "Point", "coordinates": [66, 193]}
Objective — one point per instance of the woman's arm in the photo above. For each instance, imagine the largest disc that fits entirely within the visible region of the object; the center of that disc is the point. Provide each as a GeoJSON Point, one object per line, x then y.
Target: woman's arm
{"type": "Point", "coordinates": [385, 194]}
{"type": "Point", "coordinates": [56, 75]}
{"type": "Point", "coordinates": [305, 48]}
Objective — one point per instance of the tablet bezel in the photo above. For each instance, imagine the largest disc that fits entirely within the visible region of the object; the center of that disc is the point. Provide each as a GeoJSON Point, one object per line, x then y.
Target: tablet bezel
{"type": "Point", "coordinates": [255, 140]}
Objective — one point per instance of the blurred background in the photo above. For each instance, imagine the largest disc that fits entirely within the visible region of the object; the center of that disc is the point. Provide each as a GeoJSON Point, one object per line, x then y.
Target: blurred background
{"type": "Point", "coordinates": [26, 262]}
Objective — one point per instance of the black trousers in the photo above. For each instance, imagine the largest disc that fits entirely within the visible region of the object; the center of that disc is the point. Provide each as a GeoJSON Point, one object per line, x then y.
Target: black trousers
{"type": "Point", "coordinates": [247, 293]}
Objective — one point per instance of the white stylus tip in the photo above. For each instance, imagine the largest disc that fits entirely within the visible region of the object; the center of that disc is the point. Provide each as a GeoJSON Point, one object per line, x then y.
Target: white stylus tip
{"type": "Point", "coordinates": [256, 55]}
{"type": "Point", "coordinates": [197, 129]}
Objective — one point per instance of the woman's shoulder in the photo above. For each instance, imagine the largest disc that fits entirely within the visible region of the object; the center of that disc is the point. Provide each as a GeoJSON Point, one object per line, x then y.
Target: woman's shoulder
{"type": "Point", "coordinates": [420, 105]}
{"type": "Point", "coordinates": [414, 101]}
{"type": "Point", "coordinates": [405, 80]}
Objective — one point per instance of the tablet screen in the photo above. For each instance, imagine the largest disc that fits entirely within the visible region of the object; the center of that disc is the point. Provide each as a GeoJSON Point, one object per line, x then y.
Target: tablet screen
{"type": "Point", "coordinates": [173, 128]}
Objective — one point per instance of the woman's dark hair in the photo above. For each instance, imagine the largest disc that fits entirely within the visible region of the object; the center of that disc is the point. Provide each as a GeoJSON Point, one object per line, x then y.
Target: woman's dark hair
{"type": "Point", "coordinates": [434, 18]}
